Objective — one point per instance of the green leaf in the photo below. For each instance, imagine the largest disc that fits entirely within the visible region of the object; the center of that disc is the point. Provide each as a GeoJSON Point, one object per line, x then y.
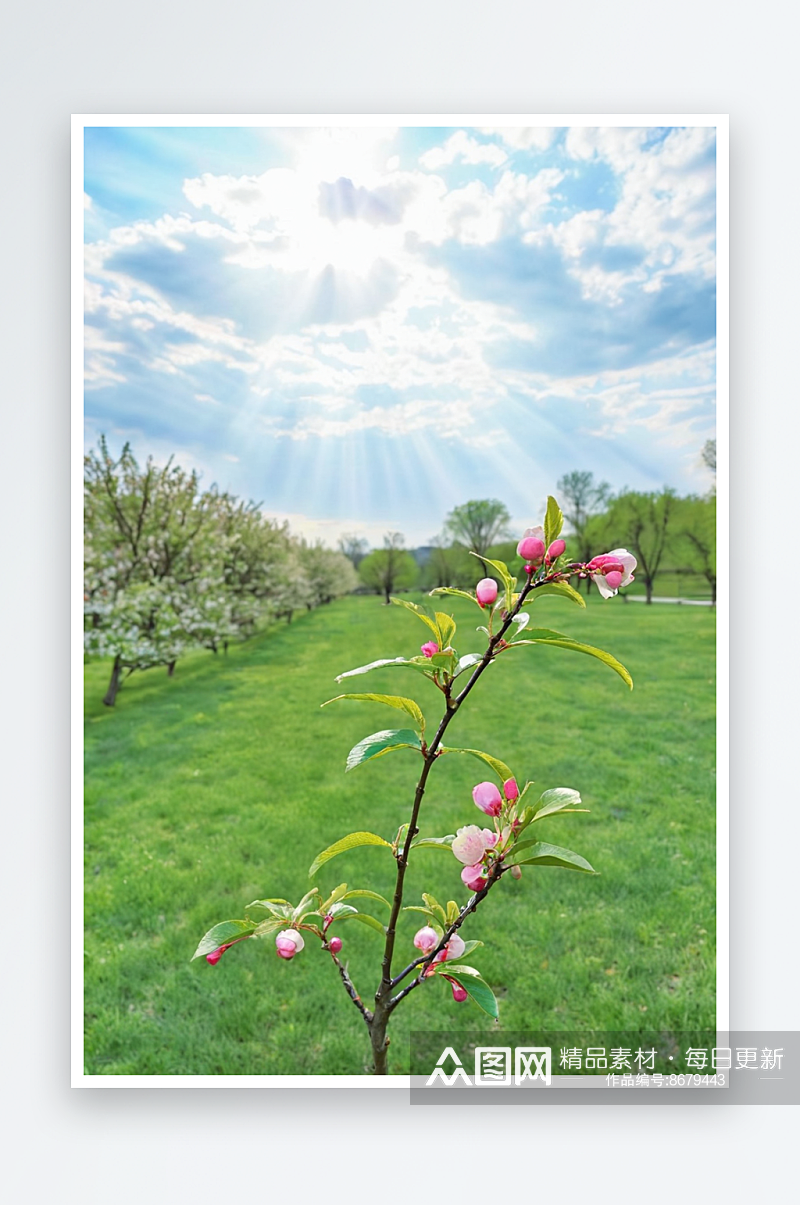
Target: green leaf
{"type": "Point", "coordinates": [436, 908]}
{"type": "Point", "coordinates": [421, 664]}
{"type": "Point", "coordinates": [469, 946]}
{"type": "Point", "coordinates": [432, 917]}
{"type": "Point", "coordinates": [553, 522]}
{"type": "Point", "coordinates": [559, 589]}
{"type": "Point", "coordinates": [500, 567]}
{"type": "Point", "coordinates": [453, 911]}
{"type": "Point", "coordinates": [401, 704]}
{"type": "Point", "coordinates": [457, 593]}
{"type": "Point", "coordinates": [445, 661]}
{"type": "Point", "coordinates": [365, 919]}
{"type": "Point", "coordinates": [521, 622]}
{"type": "Point", "coordinates": [303, 908]}
{"type": "Point", "coordinates": [340, 910]}
{"type": "Point", "coordinates": [271, 925]}
{"type": "Point", "coordinates": [548, 636]}
{"type": "Point", "coordinates": [351, 841]}
{"type": "Point", "coordinates": [466, 662]}
{"type": "Point", "coordinates": [542, 854]}
{"type": "Point", "coordinates": [369, 895]}
{"type": "Point", "coordinates": [471, 981]}
{"type": "Point", "coordinates": [221, 934]}
{"type": "Point", "coordinates": [447, 629]}
{"type": "Point", "coordinates": [337, 894]}
{"type": "Point", "coordinates": [380, 743]}
{"type": "Point", "coordinates": [499, 767]}
{"type": "Point", "coordinates": [434, 842]}
{"type": "Point", "coordinates": [276, 907]}
{"type": "Point", "coordinates": [422, 612]}
{"type": "Point", "coordinates": [555, 800]}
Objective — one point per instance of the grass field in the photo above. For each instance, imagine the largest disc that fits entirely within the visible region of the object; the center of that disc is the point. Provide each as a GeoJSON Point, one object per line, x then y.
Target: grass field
{"type": "Point", "coordinates": [220, 785]}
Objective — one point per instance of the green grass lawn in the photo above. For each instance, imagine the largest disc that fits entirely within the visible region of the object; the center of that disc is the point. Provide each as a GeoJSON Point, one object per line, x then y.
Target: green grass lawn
{"type": "Point", "coordinates": [220, 785]}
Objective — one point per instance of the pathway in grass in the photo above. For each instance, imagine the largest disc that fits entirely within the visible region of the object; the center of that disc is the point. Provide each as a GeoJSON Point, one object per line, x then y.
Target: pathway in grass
{"type": "Point", "coordinates": [219, 786]}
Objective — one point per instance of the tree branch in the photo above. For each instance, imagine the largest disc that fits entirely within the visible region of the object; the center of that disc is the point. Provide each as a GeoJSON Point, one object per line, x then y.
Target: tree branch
{"type": "Point", "coordinates": [349, 987]}
{"type": "Point", "coordinates": [451, 709]}
{"type": "Point", "coordinates": [427, 959]}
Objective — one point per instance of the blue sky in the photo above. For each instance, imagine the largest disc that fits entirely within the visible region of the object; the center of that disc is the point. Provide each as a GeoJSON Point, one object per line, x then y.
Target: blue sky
{"type": "Point", "coordinates": [361, 328]}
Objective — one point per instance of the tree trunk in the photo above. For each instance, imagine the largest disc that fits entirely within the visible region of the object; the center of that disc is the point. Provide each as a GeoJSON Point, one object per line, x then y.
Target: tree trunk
{"type": "Point", "coordinates": [170, 669]}
{"type": "Point", "coordinates": [648, 585]}
{"type": "Point", "coordinates": [388, 595]}
{"type": "Point", "coordinates": [379, 1041]}
{"type": "Point", "coordinates": [713, 585]}
{"type": "Point", "coordinates": [113, 686]}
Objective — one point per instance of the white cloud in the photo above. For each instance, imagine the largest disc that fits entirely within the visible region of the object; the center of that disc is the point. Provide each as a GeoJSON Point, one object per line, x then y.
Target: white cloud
{"type": "Point", "coordinates": [464, 147]}
{"type": "Point", "coordinates": [523, 138]}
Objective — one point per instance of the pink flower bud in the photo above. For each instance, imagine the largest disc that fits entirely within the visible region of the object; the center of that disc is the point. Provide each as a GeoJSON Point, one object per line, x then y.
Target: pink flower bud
{"type": "Point", "coordinates": [611, 570]}
{"type": "Point", "coordinates": [486, 591]}
{"type": "Point", "coordinates": [459, 993]}
{"type": "Point", "coordinates": [516, 872]}
{"type": "Point", "coordinates": [531, 549]}
{"type": "Point", "coordinates": [470, 844]}
{"type": "Point", "coordinates": [328, 920]}
{"type": "Point", "coordinates": [213, 958]}
{"type": "Point", "coordinates": [474, 877]}
{"type": "Point", "coordinates": [555, 549]}
{"type": "Point", "coordinates": [335, 945]}
{"type": "Point", "coordinates": [510, 789]}
{"type": "Point", "coordinates": [488, 798]}
{"type": "Point", "coordinates": [430, 648]}
{"type": "Point", "coordinates": [288, 943]}
{"type": "Point", "coordinates": [454, 948]}
{"type": "Point", "coordinates": [426, 939]}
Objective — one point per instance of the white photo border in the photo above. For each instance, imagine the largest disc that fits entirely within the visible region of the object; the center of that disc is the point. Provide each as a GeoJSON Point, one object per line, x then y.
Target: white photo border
{"type": "Point", "coordinates": [720, 122]}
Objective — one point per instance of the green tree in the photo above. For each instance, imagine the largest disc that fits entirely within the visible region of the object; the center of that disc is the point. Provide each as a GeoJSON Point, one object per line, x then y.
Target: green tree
{"type": "Point", "coordinates": [696, 537]}
{"type": "Point", "coordinates": [389, 568]}
{"type": "Point", "coordinates": [478, 524]}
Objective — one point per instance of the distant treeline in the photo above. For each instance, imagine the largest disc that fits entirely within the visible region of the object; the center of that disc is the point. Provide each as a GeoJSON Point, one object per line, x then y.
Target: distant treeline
{"type": "Point", "coordinates": [168, 567]}
{"type": "Point", "coordinates": [673, 539]}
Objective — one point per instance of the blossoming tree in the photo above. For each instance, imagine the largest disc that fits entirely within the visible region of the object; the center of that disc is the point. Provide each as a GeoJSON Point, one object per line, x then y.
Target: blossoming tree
{"type": "Point", "coordinates": [504, 842]}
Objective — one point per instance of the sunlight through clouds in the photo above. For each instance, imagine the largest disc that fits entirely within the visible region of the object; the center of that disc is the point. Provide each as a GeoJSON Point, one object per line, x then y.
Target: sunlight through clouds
{"type": "Point", "coordinates": [362, 326]}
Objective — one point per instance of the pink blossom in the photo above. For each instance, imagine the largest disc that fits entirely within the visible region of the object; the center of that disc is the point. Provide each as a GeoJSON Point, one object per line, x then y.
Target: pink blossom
{"type": "Point", "coordinates": [426, 939]}
{"type": "Point", "coordinates": [471, 842]}
{"type": "Point", "coordinates": [335, 945]}
{"type": "Point", "coordinates": [611, 570]}
{"type": "Point", "coordinates": [474, 877]}
{"type": "Point", "coordinates": [213, 958]}
{"type": "Point", "coordinates": [488, 798]}
{"type": "Point", "coordinates": [555, 549]}
{"type": "Point", "coordinates": [531, 546]}
{"type": "Point", "coordinates": [455, 947]}
{"type": "Point", "coordinates": [289, 942]}
{"type": "Point", "coordinates": [510, 789]}
{"type": "Point", "coordinates": [430, 648]}
{"type": "Point", "coordinates": [486, 591]}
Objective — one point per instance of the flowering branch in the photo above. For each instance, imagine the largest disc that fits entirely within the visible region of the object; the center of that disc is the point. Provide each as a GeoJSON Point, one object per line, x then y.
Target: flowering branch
{"type": "Point", "coordinates": [486, 855]}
